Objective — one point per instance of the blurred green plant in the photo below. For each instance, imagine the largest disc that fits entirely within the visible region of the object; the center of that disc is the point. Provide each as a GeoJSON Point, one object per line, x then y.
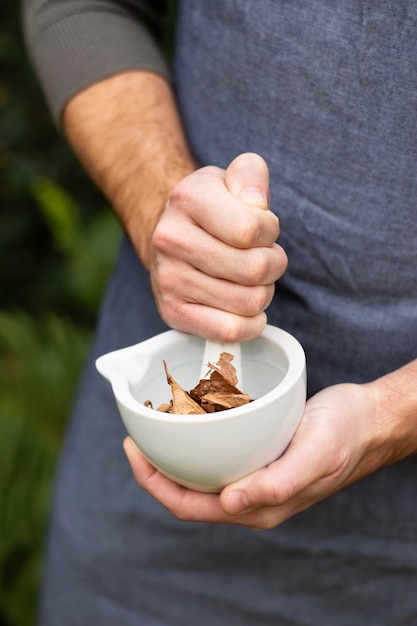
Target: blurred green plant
{"type": "Point", "coordinates": [39, 368]}
{"type": "Point", "coordinates": [58, 241]}
{"type": "Point", "coordinates": [30, 150]}
{"type": "Point", "coordinates": [40, 359]}
{"type": "Point", "coordinates": [87, 249]}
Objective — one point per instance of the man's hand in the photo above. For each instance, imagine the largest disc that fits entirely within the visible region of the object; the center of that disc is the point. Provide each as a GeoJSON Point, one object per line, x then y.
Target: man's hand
{"type": "Point", "coordinates": [215, 260]}
{"type": "Point", "coordinates": [346, 433]}
{"type": "Point", "coordinates": [213, 257]}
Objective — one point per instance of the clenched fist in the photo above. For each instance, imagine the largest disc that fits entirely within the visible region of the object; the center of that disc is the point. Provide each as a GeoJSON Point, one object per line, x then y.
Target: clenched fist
{"type": "Point", "coordinates": [215, 259]}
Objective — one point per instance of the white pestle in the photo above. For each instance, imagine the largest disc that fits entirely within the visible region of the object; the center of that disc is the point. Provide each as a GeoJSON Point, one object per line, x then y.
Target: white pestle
{"type": "Point", "coordinates": [212, 349]}
{"type": "Point", "coordinates": [212, 352]}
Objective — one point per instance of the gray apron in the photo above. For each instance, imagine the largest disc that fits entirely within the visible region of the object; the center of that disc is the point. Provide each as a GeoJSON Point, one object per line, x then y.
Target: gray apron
{"type": "Point", "coordinates": [326, 91]}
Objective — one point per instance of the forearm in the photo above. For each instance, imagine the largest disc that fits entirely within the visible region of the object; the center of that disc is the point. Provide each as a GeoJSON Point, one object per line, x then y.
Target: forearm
{"type": "Point", "coordinates": [127, 133]}
{"type": "Point", "coordinates": [396, 412]}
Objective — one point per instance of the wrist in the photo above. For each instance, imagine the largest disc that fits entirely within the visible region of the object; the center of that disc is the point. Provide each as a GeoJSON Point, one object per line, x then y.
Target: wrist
{"type": "Point", "coordinates": [395, 412]}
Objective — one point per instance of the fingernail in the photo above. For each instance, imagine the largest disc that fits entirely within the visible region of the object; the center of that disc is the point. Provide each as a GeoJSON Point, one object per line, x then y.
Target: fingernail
{"type": "Point", "coordinates": [254, 195]}
{"type": "Point", "coordinates": [236, 502]}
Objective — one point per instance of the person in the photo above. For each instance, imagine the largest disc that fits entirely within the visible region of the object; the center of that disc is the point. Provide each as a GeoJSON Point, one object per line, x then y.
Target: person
{"type": "Point", "coordinates": [307, 109]}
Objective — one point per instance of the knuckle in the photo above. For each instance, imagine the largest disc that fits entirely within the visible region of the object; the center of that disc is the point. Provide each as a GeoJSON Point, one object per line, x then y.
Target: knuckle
{"type": "Point", "coordinates": [237, 328]}
{"type": "Point", "coordinates": [279, 493]}
{"type": "Point", "coordinates": [182, 192]}
{"type": "Point", "coordinates": [231, 333]}
{"type": "Point", "coordinates": [231, 329]}
{"type": "Point", "coordinates": [257, 301]}
{"type": "Point", "coordinates": [249, 228]}
{"type": "Point", "coordinates": [283, 494]}
{"type": "Point", "coordinates": [282, 258]}
{"type": "Point", "coordinates": [264, 265]}
{"type": "Point", "coordinates": [187, 196]}
{"type": "Point", "coordinates": [258, 268]}
{"type": "Point", "coordinates": [274, 226]}
{"type": "Point", "coordinates": [255, 227]}
{"type": "Point", "coordinates": [163, 238]}
{"type": "Point", "coordinates": [340, 461]}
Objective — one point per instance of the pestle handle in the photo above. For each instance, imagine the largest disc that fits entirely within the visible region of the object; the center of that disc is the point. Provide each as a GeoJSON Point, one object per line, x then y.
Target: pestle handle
{"type": "Point", "coordinates": [249, 186]}
{"type": "Point", "coordinates": [212, 352]}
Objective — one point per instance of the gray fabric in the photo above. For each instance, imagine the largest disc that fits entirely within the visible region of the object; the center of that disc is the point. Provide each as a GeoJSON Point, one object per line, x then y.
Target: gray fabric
{"type": "Point", "coordinates": [326, 91]}
{"type": "Point", "coordinates": [117, 557]}
{"type": "Point", "coordinates": [74, 43]}
{"type": "Point", "coordinates": [328, 94]}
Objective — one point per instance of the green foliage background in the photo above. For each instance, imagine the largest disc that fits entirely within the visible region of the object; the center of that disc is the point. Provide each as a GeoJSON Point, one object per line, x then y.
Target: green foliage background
{"type": "Point", "coordinates": [58, 241]}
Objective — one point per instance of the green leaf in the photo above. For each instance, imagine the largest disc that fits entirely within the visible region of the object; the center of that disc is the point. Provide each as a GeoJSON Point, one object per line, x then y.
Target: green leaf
{"type": "Point", "coordinates": [40, 362]}
{"type": "Point", "coordinates": [60, 212]}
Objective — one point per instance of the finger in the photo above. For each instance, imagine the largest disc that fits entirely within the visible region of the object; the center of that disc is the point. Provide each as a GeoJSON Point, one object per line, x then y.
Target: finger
{"type": "Point", "coordinates": [205, 307]}
{"type": "Point", "coordinates": [193, 245]}
{"type": "Point", "coordinates": [252, 266]}
{"type": "Point", "coordinates": [288, 483]}
{"type": "Point", "coordinates": [201, 288]}
{"type": "Point", "coordinates": [247, 178]}
{"type": "Point", "coordinates": [215, 324]}
{"type": "Point", "coordinates": [221, 294]}
{"type": "Point", "coordinates": [207, 202]}
{"type": "Point", "coordinates": [183, 503]}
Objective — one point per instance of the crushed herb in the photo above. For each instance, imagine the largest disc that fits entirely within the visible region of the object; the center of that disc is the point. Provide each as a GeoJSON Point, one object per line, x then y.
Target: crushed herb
{"type": "Point", "coordinates": [216, 393]}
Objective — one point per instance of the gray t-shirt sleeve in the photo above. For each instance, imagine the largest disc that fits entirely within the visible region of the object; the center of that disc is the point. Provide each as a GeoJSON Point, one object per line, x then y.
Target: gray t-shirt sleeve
{"type": "Point", "coordinates": [75, 43]}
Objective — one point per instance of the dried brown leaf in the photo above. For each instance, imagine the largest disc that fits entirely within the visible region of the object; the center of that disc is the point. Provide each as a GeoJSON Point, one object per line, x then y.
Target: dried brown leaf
{"type": "Point", "coordinates": [225, 401]}
{"type": "Point", "coordinates": [165, 407]}
{"type": "Point", "coordinates": [225, 368]}
{"type": "Point", "coordinates": [217, 393]}
{"type": "Point", "coordinates": [182, 402]}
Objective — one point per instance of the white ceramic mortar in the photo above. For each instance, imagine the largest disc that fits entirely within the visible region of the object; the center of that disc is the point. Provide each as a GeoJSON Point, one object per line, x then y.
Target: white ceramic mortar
{"type": "Point", "coordinates": [206, 452]}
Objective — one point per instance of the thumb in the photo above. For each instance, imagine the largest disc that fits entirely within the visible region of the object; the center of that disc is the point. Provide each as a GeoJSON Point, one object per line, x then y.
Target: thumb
{"type": "Point", "coordinates": [247, 178]}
